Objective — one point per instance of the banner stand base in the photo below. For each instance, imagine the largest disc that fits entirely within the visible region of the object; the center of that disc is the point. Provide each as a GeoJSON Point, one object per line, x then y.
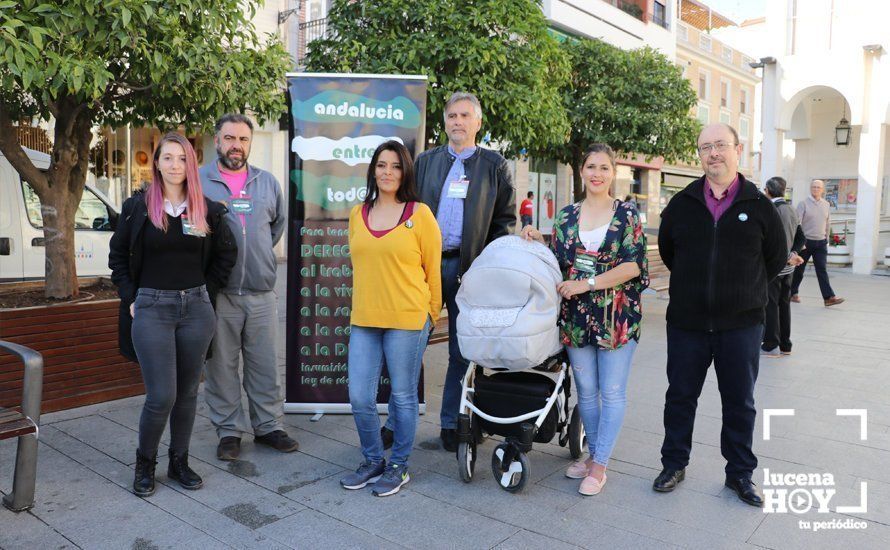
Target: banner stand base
{"type": "Point", "coordinates": [316, 417]}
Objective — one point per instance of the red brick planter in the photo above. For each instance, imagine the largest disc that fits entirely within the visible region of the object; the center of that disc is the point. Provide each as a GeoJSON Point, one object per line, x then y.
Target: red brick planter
{"type": "Point", "coordinates": [82, 364]}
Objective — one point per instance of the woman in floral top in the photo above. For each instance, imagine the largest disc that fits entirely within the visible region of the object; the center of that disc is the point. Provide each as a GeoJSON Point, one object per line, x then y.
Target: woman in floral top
{"type": "Point", "coordinates": [601, 249]}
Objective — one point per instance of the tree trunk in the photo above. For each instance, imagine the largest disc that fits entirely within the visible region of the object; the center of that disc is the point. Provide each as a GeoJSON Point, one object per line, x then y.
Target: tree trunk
{"type": "Point", "coordinates": [59, 200]}
{"type": "Point", "coordinates": [58, 209]}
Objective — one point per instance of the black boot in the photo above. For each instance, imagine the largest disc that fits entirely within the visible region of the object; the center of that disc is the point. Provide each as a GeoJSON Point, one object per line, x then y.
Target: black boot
{"type": "Point", "coordinates": [144, 483]}
{"type": "Point", "coordinates": [179, 470]}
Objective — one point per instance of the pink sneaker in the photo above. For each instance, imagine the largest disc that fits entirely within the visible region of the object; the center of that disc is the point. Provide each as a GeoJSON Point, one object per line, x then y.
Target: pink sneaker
{"type": "Point", "coordinates": [592, 486]}
{"type": "Point", "coordinates": [578, 469]}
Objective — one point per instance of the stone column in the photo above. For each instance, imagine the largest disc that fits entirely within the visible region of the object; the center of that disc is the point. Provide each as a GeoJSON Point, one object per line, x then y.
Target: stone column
{"type": "Point", "coordinates": [771, 109]}
{"type": "Point", "coordinates": [872, 142]}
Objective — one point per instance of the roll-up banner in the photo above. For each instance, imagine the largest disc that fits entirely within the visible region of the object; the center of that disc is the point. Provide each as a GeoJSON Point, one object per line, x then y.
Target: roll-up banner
{"type": "Point", "coordinates": [336, 123]}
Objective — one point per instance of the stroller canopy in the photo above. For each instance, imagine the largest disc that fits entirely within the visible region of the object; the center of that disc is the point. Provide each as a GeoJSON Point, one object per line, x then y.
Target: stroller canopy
{"type": "Point", "coordinates": [509, 306]}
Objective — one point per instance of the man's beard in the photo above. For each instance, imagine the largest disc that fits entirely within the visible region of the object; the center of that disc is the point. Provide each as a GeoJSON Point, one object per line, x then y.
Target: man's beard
{"type": "Point", "coordinates": [230, 163]}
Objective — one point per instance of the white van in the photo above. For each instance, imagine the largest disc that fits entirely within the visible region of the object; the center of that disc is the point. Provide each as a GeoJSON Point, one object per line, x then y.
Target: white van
{"type": "Point", "coordinates": [22, 250]}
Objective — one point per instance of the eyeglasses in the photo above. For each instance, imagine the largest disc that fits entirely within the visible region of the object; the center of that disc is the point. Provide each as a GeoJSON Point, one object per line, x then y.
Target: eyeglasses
{"type": "Point", "coordinates": [720, 146]}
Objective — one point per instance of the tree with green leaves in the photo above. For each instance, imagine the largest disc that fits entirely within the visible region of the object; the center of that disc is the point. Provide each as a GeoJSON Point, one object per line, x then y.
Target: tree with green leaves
{"type": "Point", "coordinates": [89, 63]}
{"type": "Point", "coordinates": [636, 101]}
{"type": "Point", "coordinates": [500, 50]}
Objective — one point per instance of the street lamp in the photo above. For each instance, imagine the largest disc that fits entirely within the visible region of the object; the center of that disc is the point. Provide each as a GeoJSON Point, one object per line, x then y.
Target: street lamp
{"type": "Point", "coordinates": [842, 130]}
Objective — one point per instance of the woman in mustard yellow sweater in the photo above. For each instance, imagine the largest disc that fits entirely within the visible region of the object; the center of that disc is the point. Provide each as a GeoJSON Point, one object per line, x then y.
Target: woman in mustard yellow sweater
{"type": "Point", "coordinates": [396, 250]}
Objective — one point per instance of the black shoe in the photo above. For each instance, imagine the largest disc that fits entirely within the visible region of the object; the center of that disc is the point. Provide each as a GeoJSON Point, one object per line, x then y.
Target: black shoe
{"type": "Point", "coordinates": [178, 470]}
{"type": "Point", "coordinates": [746, 490]}
{"type": "Point", "coordinates": [229, 448]}
{"type": "Point", "coordinates": [387, 436]}
{"type": "Point", "coordinates": [144, 482]}
{"type": "Point", "coordinates": [668, 480]}
{"type": "Point", "coordinates": [449, 439]}
{"type": "Point", "coordinates": [278, 440]}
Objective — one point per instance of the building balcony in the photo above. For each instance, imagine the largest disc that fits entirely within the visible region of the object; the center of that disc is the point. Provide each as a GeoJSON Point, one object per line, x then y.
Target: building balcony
{"type": "Point", "coordinates": [309, 31]}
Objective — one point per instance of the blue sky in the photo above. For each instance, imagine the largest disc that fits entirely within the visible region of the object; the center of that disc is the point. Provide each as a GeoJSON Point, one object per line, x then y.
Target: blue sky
{"type": "Point", "coordinates": [738, 10]}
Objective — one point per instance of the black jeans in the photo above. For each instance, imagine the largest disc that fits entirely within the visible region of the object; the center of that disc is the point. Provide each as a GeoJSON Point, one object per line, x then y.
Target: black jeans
{"type": "Point", "coordinates": [172, 330]}
{"type": "Point", "coordinates": [777, 331]}
{"type": "Point", "coordinates": [818, 250]}
{"type": "Point", "coordinates": [736, 357]}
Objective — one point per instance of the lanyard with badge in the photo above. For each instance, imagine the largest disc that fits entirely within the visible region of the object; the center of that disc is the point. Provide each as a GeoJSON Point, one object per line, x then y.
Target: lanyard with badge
{"type": "Point", "coordinates": [457, 189]}
{"type": "Point", "coordinates": [585, 261]}
{"type": "Point", "coordinates": [242, 204]}
{"type": "Point", "coordinates": [189, 229]}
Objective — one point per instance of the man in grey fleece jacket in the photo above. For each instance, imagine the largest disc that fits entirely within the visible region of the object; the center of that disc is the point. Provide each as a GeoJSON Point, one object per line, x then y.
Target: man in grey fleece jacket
{"type": "Point", "coordinates": [246, 309]}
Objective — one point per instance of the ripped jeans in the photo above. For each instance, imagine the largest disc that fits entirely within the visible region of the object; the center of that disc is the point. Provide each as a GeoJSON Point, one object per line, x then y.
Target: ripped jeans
{"type": "Point", "coordinates": [601, 380]}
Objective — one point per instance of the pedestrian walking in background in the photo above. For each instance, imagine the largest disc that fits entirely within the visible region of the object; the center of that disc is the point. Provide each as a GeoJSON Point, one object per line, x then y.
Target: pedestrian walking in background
{"type": "Point", "coordinates": [777, 327]}
{"type": "Point", "coordinates": [169, 256]}
{"type": "Point", "coordinates": [815, 219]}
{"type": "Point", "coordinates": [527, 210]}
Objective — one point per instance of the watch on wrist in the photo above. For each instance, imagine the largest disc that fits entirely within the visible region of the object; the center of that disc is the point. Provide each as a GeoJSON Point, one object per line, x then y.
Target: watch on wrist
{"type": "Point", "coordinates": [592, 282]}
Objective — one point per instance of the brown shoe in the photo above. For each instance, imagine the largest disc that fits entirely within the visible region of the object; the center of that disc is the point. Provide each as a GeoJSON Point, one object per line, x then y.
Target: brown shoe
{"type": "Point", "coordinates": [796, 299]}
{"type": "Point", "coordinates": [278, 440]}
{"type": "Point", "coordinates": [229, 448]}
{"type": "Point", "coordinates": [833, 301]}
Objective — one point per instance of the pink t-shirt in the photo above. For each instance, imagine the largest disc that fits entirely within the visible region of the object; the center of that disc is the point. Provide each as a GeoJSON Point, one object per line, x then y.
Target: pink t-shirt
{"type": "Point", "coordinates": [235, 181]}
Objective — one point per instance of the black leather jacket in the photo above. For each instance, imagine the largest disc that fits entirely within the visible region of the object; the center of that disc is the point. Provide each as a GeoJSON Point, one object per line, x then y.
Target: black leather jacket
{"type": "Point", "coordinates": [218, 255]}
{"type": "Point", "coordinates": [490, 206]}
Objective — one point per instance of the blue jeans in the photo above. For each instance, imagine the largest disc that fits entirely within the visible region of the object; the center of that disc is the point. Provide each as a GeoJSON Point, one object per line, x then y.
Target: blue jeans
{"type": "Point", "coordinates": [403, 351]}
{"type": "Point", "coordinates": [457, 365]}
{"type": "Point", "coordinates": [601, 379]}
{"type": "Point", "coordinates": [818, 250]}
{"type": "Point", "coordinates": [171, 332]}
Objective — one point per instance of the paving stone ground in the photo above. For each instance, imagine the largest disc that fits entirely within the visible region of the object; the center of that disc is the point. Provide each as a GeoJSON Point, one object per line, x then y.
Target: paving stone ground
{"type": "Point", "coordinates": [841, 360]}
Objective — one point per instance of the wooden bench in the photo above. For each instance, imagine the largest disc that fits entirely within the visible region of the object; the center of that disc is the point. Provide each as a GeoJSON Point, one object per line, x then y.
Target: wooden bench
{"type": "Point", "coordinates": [15, 424]}
{"type": "Point", "coordinates": [24, 426]}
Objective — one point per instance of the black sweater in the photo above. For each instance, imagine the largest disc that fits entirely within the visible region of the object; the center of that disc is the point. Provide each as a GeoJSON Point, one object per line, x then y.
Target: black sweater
{"type": "Point", "coordinates": [218, 255]}
{"type": "Point", "coordinates": [720, 271]}
{"type": "Point", "coordinates": [171, 260]}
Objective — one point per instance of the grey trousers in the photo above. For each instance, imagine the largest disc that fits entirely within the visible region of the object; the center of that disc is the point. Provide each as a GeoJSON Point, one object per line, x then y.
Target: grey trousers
{"type": "Point", "coordinates": [171, 332]}
{"type": "Point", "coordinates": [246, 328]}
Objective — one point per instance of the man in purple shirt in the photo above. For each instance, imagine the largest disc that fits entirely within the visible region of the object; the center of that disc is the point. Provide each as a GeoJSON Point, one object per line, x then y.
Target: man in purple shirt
{"type": "Point", "coordinates": [723, 241]}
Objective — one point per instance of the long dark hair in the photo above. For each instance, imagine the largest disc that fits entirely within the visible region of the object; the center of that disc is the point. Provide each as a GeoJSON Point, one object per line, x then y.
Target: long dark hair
{"type": "Point", "coordinates": [407, 187]}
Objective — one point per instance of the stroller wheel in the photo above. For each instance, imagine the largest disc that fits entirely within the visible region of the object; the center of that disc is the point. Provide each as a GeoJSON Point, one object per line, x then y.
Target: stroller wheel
{"type": "Point", "coordinates": [466, 460]}
{"type": "Point", "coordinates": [577, 437]}
{"type": "Point", "coordinates": [511, 473]}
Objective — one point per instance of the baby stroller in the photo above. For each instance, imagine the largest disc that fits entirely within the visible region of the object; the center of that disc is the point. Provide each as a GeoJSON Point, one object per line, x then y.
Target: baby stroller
{"type": "Point", "coordinates": [518, 383]}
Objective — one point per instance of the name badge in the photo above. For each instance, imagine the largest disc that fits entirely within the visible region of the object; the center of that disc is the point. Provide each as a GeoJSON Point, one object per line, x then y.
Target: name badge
{"type": "Point", "coordinates": [189, 229]}
{"type": "Point", "coordinates": [242, 205]}
{"type": "Point", "coordinates": [458, 189]}
{"type": "Point", "coordinates": [585, 262]}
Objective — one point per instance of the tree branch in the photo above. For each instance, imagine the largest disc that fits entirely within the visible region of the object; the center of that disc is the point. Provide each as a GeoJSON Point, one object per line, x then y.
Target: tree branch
{"type": "Point", "coordinates": [16, 155]}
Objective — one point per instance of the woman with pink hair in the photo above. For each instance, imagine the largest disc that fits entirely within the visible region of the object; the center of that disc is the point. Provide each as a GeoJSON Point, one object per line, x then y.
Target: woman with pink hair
{"type": "Point", "coordinates": [170, 253]}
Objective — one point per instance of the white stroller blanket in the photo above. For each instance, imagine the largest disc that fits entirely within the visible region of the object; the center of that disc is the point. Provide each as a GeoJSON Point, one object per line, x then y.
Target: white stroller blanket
{"type": "Point", "coordinates": [509, 306]}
